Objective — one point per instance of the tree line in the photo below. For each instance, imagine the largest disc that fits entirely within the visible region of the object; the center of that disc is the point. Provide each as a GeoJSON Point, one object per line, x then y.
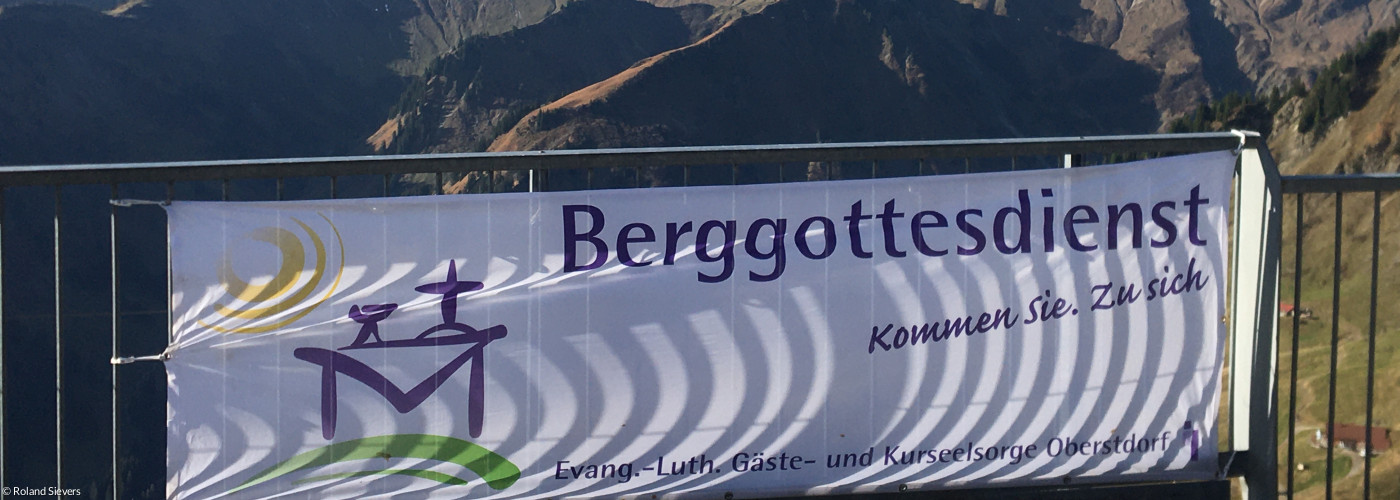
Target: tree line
{"type": "Point", "coordinates": [1343, 86]}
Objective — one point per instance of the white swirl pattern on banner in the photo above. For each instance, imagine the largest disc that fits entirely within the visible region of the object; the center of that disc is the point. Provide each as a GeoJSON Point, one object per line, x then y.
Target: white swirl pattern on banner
{"type": "Point", "coordinates": [620, 379]}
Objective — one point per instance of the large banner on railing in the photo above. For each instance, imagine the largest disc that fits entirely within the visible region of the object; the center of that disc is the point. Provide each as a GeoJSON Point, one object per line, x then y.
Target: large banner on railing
{"type": "Point", "coordinates": [1019, 328]}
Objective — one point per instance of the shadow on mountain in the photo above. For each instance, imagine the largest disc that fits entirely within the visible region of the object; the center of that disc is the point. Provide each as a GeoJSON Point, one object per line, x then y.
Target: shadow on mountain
{"type": "Point", "coordinates": [828, 71]}
{"type": "Point", "coordinates": [197, 79]}
{"type": "Point", "coordinates": [1059, 16]}
{"type": "Point", "coordinates": [486, 84]}
{"type": "Point", "coordinates": [1220, 65]}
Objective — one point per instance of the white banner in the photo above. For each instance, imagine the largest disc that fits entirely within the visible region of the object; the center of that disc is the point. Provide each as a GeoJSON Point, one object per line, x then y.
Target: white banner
{"type": "Point", "coordinates": [1020, 328]}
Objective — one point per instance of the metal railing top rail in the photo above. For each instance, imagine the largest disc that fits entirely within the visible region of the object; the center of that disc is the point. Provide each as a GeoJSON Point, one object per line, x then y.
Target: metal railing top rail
{"type": "Point", "coordinates": [1351, 183]}
{"type": "Point", "coordinates": [631, 157]}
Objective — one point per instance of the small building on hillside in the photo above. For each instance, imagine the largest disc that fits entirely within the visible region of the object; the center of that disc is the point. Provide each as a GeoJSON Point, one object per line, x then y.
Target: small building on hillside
{"type": "Point", "coordinates": [1351, 437]}
{"type": "Point", "coordinates": [1286, 310]}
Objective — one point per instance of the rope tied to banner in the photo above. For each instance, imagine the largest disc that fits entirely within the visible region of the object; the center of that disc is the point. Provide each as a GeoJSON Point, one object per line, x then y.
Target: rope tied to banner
{"type": "Point", "coordinates": [126, 360]}
{"type": "Point", "coordinates": [164, 355]}
{"type": "Point", "coordinates": [1244, 136]}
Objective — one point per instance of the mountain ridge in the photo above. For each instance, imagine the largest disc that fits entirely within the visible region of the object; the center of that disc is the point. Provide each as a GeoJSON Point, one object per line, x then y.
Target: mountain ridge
{"type": "Point", "coordinates": [481, 87]}
{"type": "Point", "coordinates": [779, 71]}
{"type": "Point", "coordinates": [1206, 49]}
{"type": "Point", "coordinates": [160, 80]}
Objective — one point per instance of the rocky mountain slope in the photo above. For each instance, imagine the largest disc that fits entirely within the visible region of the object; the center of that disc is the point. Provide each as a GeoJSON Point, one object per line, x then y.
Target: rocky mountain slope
{"type": "Point", "coordinates": [1207, 48]}
{"type": "Point", "coordinates": [204, 79]}
{"type": "Point", "coordinates": [485, 85]}
{"type": "Point", "coordinates": [1343, 124]}
{"type": "Point", "coordinates": [1197, 50]}
{"type": "Point", "coordinates": [1203, 48]}
{"type": "Point", "coordinates": [823, 70]}
{"type": "Point", "coordinates": [1364, 140]}
{"type": "Point", "coordinates": [158, 80]}
{"type": "Point", "coordinates": [436, 26]}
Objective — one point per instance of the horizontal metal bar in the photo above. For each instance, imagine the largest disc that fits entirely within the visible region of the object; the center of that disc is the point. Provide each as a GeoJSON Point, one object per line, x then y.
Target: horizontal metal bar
{"type": "Point", "coordinates": [635, 157]}
{"type": "Point", "coordinates": [1350, 183]}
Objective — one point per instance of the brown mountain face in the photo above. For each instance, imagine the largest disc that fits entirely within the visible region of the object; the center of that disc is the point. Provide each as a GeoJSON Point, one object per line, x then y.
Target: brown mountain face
{"type": "Point", "coordinates": [1366, 140]}
{"type": "Point", "coordinates": [824, 70]}
{"type": "Point", "coordinates": [1285, 39]}
{"type": "Point", "coordinates": [155, 80]}
{"type": "Point", "coordinates": [202, 79]}
{"type": "Point", "coordinates": [1204, 49]}
{"type": "Point", "coordinates": [485, 85]}
{"type": "Point", "coordinates": [435, 27]}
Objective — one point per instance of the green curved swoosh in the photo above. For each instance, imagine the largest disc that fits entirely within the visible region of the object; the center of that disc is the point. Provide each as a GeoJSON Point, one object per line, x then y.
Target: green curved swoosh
{"type": "Point", "coordinates": [498, 472]}
{"type": "Point", "coordinates": [424, 474]}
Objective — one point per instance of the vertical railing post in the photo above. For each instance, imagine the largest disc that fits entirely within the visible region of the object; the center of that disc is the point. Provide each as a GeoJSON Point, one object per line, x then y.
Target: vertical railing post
{"type": "Point", "coordinates": [58, 332]}
{"type": "Point", "coordinates": [1253, 319]}
{"type": "Point", "coordinates": [3, 429]}
{"type": "Point", "coordinates": [116, 346]}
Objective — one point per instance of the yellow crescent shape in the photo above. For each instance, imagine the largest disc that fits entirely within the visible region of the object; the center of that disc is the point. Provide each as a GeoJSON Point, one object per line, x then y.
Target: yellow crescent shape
{"type": "Point", "coordinates": [293, 258]}
{"type": "Point", "coordinates": [283, 304]}
{"type": "Point", "coordinates": [305, 291]}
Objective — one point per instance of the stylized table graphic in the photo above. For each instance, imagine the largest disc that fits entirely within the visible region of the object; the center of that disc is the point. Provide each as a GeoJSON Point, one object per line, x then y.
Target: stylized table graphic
{"type": "Point", "coordinates": [334, 362]}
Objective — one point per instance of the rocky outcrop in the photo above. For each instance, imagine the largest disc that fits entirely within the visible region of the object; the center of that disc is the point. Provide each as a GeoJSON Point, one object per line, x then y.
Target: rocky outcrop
{"type": "Point", "coordinates": [1206, 48]}
{"type": "Point", "coordinates": [1366, 140]}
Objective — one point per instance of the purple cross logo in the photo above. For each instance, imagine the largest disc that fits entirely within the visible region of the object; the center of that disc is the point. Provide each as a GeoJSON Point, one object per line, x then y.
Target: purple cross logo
{"type": "Point", "coordinates": [1192, 437]}
{"type": "Point", "coordinates": [334, 362]}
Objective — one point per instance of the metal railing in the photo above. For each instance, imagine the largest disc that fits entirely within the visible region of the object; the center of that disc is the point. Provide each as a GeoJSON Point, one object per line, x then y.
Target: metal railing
{"type": "Point", "coordinates": [85, 280]}
{"type": "Point", "coordinates": [1358, 272]}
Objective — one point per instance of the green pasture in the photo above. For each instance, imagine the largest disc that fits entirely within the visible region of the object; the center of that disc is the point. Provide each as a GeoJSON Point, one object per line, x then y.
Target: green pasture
{"type": "Point", "coordinates": [1314, 349]}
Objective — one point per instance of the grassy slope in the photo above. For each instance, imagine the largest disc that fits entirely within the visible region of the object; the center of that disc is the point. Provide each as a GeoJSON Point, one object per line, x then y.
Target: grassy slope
{"type": "Point", "coordinates": [1362, 141]}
